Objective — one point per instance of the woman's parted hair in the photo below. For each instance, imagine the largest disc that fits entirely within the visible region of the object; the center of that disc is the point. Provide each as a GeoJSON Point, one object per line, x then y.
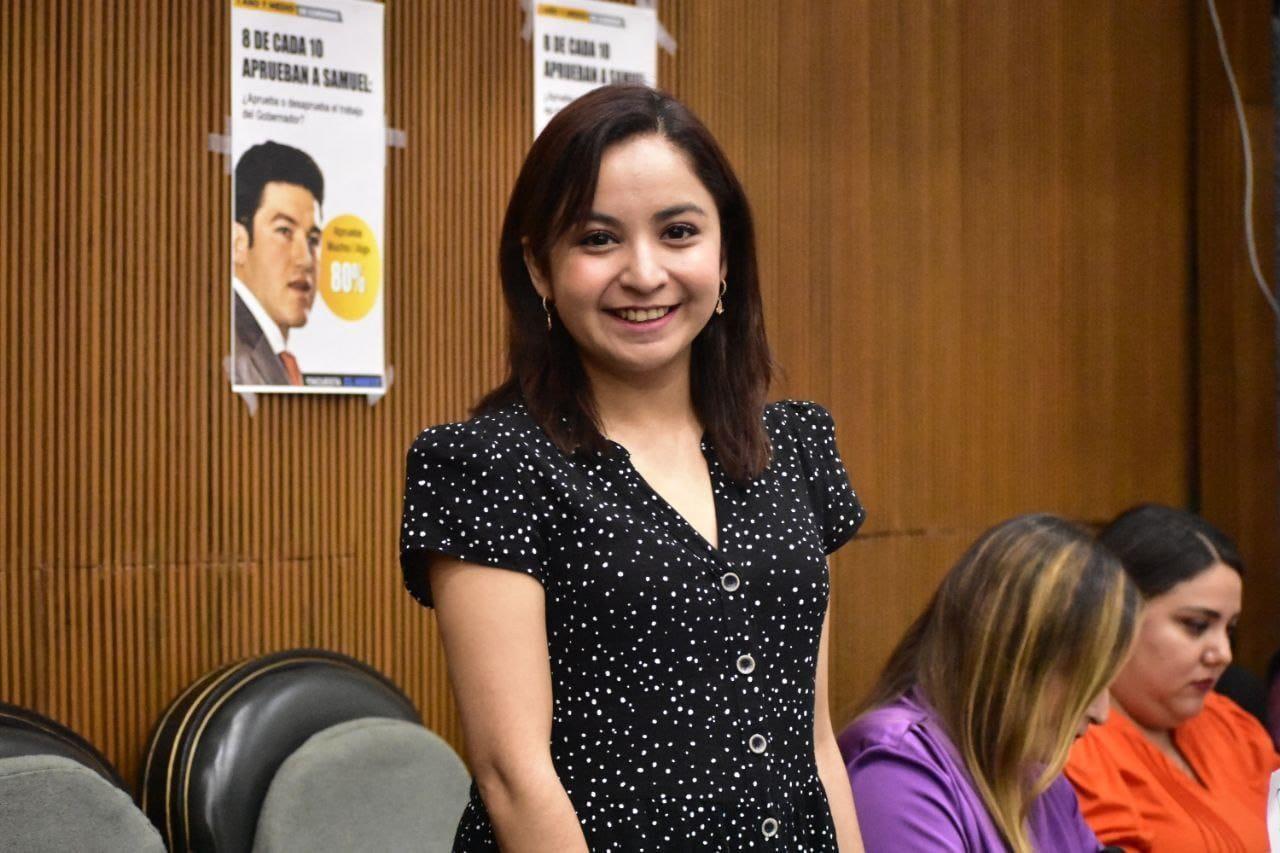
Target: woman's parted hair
{"type": "Point", "coordinates": [1026, 629]}
{"type": "Point", "coordinates": [1161, 547]}
{"type": "Point", "coordinates": [731, 363]}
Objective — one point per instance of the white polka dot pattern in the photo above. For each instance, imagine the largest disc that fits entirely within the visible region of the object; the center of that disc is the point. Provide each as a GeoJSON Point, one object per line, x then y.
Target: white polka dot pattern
{"type": "Point", "coordinates": [672, 661]}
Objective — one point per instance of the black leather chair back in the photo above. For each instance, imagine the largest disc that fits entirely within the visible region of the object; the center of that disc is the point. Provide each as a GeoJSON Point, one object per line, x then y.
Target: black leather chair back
{"type": "Point", "coordinates": [24, 732]}
{"type": "Point", "coordinates": [214, 752]}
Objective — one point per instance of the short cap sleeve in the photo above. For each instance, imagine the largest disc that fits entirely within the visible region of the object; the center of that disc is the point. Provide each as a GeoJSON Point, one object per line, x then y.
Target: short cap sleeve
{"type": "Point", "coordinates": [464, 498]}
{"type": "Point", "coordinates": [839, 511]}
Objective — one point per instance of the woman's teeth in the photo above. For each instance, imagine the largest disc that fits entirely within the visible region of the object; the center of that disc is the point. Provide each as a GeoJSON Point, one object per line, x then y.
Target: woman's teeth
{"type": "Point", "coordinates": [641, 315]}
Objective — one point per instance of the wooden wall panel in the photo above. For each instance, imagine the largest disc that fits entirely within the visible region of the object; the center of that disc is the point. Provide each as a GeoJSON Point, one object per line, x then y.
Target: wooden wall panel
{"type": "Point", "coordinates": [1237, 405]}
{"type": "Point", "coordinates": [910, 563]}
{"type": "Point", "coordinates": [1019, 320]}
{"type": "Point", "coordinates": [973, 224]}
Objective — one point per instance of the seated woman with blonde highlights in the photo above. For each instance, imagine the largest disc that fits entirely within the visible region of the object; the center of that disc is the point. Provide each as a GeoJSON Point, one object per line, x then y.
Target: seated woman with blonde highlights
{"type": "Point", "coordinates": [962, 741]}
{"type": "Point", "coordinates": [1176, 767]}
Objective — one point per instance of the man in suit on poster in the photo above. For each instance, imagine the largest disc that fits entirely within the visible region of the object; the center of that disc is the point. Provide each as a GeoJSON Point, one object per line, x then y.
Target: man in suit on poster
{"type": "Point", "coordinates": [279, 191]}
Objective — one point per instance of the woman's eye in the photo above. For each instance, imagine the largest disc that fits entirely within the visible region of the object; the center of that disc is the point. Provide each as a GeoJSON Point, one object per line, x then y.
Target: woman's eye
{"type": "Point", "coordinates": [681, 231]}
{"type": "Point", "coordinates": [1195, 627]}
{"type": "Point", "coordinates": [284, 232]}
{"type": "Point", "coordinates": [597, 238]}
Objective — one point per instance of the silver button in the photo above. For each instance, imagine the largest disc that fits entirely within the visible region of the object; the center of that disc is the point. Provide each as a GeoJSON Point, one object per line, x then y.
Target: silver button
{"type": "Point", "coordinates": [730, 581]}
{"type": "Point", "coordinates": [769, 827]}
{"type": "Point", "coordinates": [746, 664]}
{"type": "Point", "coordinates": [757, 743]}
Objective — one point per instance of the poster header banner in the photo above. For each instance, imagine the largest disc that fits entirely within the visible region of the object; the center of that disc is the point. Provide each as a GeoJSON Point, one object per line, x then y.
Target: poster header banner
{"type": "Point", "coordinates": [583, 45]}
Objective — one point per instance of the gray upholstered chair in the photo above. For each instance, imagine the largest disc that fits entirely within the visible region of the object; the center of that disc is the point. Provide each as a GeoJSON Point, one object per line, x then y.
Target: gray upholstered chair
{"type": "Point", "coordinates": [58, 793]}
{"type": "Point", "coordinates": [52, 804]}
{"type": "Point", "coordinates": [369, 784]}
{"type": "Point", "coordinates": [216, 752]}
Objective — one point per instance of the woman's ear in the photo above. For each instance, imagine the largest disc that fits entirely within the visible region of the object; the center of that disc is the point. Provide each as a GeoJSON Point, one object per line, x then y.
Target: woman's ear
{"type": "Point", "coordinates": [540, 283]}
{"type": "Point", "coordinates": [724, 264]}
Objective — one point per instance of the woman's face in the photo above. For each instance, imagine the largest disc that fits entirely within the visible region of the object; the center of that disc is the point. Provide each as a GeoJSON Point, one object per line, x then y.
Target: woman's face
{"type": "Point", "coordinates": [1095, 714]}
{"type": "Point", "coordinates": [636, 282]}
{"type": "Point", "coordinates": [1183, 645]}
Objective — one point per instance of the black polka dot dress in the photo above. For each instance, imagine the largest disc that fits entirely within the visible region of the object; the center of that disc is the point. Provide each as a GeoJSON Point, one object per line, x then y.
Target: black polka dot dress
{"type": "Point", "coordinates": [682, 674]}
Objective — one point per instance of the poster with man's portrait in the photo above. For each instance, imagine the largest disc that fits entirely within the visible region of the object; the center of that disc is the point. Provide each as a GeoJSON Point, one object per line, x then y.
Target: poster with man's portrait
{"type": "Point", "coordinates": [308, 146]}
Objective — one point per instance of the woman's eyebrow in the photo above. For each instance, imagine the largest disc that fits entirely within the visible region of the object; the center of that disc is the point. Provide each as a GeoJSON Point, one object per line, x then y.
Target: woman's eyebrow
{"type": "Point", "coordinates": [1206, 612]}
{"type": "Point", "coordinates": [676, 210]}
{"type": "Point", "coordinates": [604, 219]}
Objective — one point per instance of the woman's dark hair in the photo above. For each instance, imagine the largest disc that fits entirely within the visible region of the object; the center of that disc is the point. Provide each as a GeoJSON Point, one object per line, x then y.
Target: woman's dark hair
{"type": "Point", "coordinates": [731, 364]}
{"type": "Point", "coordinates": [1161, 547]}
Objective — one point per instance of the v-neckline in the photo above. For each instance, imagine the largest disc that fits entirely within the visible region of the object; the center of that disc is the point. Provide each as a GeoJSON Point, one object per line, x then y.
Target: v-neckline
{"type": "Point", "coordinates": [688, 526]}
{"type": "Point", "coordinates": [1195, 778]}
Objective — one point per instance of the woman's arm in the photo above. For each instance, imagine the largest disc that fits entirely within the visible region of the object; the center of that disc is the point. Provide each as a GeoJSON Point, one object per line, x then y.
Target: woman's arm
{"type": "Point", "coordinates": [492, 624]}
{"type": "Point", "coordinates": [831, 770]}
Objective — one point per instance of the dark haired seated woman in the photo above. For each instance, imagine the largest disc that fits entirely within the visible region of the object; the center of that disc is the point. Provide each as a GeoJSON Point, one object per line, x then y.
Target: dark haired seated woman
{"type": "Point", "coordinates": [963, 739]}
{"type": "Point", "coordinates": [651, 672]}
{"type": "Point", "coordinates": [1176, 767]}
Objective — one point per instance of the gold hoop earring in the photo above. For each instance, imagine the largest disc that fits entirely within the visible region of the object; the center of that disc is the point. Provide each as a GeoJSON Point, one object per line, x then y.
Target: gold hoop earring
{"type": "Point", "coordinates": [720, 299]}
{"type": "Point", "coordinates": [547, 311]}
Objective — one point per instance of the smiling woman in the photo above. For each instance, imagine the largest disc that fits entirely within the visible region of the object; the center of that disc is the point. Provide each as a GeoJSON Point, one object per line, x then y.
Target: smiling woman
{"type": "Point", "coordinates": [650, 673]}
{"type": "Point", "coordinates": [687, 239]}
{"type": "Point", "coordinates": [637, 282]}
{"type": "Point", "coordinates": [1176, 766]}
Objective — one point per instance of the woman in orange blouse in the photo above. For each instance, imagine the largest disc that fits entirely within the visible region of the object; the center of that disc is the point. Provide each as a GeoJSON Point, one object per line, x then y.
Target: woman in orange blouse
{"type": "Point", "coordinates": [1176, 767]}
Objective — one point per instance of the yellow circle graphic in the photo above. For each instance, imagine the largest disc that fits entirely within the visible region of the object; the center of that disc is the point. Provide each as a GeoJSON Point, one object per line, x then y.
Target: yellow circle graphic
{"type": "Point", "coordinates": [350, 267]}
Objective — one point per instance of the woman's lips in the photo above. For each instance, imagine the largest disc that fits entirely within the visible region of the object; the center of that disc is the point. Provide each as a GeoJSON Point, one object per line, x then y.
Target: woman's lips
{"type": "Point", "coordinates": [1204, 685]}
{"type": "Point", "coordinates": [645, 319]}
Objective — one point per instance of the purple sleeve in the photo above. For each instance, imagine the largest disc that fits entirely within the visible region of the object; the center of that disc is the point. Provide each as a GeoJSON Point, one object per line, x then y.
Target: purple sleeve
{"type": "Point", "coordinates": [904, 804]}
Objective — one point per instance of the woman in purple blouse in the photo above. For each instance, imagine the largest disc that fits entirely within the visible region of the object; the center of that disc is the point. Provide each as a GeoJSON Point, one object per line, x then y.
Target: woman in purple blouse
{"type": "Point", "coordinates": [961, 744]}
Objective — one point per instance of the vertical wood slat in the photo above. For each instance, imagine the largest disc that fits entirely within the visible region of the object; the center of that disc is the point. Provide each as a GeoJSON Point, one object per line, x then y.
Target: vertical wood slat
{"type": "Point", "coordinates": [973, 247]}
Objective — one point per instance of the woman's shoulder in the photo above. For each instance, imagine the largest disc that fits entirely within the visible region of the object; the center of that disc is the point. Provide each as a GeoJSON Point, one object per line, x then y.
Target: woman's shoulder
{"type": "Point", "coordinates": [795, 417]}
{"type": "Point", "coordinates": [511, 418]}
{"type": "Point", "coordinates": [496, 430]}
{"type": "Point", "coordinates": [802, 431]}
{"type": "Point", "coordinates": [909, 780]}
{"type": "Point", "coordinates": [1223, 711]}
{"type": "Point", "coordinates": [903, 729]}
{"type": "Point", "coordinates": [1229, 730]}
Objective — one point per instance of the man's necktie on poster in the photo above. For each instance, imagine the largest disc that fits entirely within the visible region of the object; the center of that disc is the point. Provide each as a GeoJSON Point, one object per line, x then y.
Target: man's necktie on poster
{"type": "Point", "coordinates": [291, 367]}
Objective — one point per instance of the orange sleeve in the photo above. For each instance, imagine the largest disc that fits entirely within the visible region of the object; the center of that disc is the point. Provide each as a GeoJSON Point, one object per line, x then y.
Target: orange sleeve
{"type": "Point", "coordinates": [1105, 801]}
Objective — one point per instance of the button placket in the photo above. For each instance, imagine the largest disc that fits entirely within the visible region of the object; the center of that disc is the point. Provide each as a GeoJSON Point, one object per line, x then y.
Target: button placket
{"type": "Point", "coordinates": [737, 612]}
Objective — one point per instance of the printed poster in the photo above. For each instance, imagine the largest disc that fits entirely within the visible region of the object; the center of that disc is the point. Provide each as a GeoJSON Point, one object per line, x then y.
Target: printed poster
{"type": "Point", "coordinates": [582, 45]}
{"type": "Point", "coordinates": [308, 149]}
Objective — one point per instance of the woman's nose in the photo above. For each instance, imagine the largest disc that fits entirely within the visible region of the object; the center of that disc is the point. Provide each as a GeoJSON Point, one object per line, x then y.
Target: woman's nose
{"type": "Point", "coordinates": [1098, 709]}
{"type": "Point", "coordinates": [645, 271]}
{"type": "Point", "coordinates": [1218, 651]}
